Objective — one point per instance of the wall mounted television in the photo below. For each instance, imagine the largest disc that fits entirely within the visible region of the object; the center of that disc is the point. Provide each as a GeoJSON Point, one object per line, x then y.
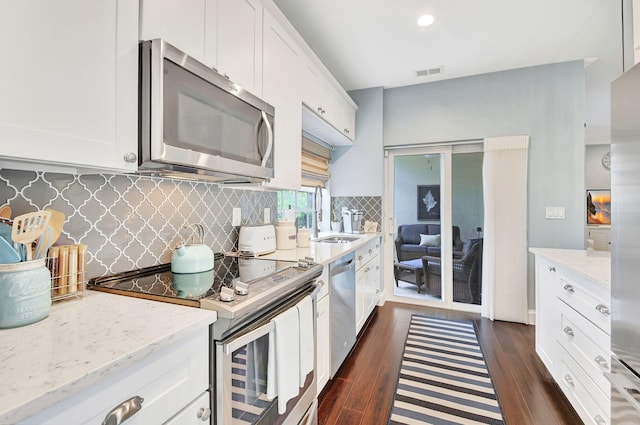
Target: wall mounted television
{"type": "Point", "coordinates": [599, 206]}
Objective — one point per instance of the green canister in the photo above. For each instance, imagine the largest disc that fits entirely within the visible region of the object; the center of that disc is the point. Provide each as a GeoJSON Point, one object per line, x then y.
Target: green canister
{"type": "Point", "coordinates": [25, 293]}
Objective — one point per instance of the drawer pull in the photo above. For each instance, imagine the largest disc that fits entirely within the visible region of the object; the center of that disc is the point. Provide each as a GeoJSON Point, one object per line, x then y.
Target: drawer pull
{"type": "Point", "coordinates": [569, 288]}
{"type": "Point", "coordinates": [602, 362]}
{"type": "Point", "coordinates": [552, 269]}
{"type": "Point", "coordinates": [603, 309]}
{"type": "Point", "coordinates": [204, 413]}
{"type": "Point", "coordinates": [370, 250]}
{"type": "Point", "coordinates": [599, 420]}
{"type": "Point", "coordinates": [569, 380]}
{"type": "Point", "coordinates": [359, 257]}
{"type": "Point", "coordinates": [568, 331]}
{"type": "Point", "coordinates": [124, 411]}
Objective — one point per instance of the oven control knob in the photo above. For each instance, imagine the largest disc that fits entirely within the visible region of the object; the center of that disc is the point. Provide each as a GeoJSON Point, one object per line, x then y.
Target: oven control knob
{"type": "Point", "coordinates": [242, 288]}
{"type": "Point", "coordinates": [226, 294]}
{"type": "Point", "coordinates": [303, 264]}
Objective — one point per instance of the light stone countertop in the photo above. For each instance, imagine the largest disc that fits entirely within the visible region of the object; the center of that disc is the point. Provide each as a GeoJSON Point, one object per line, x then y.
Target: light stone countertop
{"type": "Point", "coordinates": [82, 342]}
{"type": "Point", "coordinates": [594, 265]}
{"type": "Point", "coordinates": [322, 252]}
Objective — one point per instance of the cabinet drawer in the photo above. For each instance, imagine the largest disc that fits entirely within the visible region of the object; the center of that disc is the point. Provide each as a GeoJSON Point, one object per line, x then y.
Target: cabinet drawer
{"type": "Point", "coordinates": [167, 381]}
{"type": "Point", "coordinates": [366, 253]}
{"type": "Point", "coordinates": [587, 344]}
{"type": "Point", "coordinates": [590, 403]}
{"type": "Point", "coordinates": [196, 413]}
{"type": "Point", "coordinates": [594, 308]}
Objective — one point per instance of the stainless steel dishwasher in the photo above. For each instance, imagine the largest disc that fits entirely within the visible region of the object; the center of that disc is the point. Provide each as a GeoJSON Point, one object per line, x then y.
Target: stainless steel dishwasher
{"type": "Point", "coordinates": [342, 277]}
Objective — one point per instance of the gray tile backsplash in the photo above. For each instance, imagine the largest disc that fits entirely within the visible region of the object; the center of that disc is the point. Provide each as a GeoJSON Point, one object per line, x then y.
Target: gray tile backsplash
{"type": "Point", "coordinates": [371, 205]}
{"type": "Point", "coordinates": [131, 221]}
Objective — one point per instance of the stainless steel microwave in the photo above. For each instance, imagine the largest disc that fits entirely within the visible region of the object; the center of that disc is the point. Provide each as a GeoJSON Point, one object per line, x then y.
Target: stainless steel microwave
{"type": "Point", "coordinates": [196, 123]}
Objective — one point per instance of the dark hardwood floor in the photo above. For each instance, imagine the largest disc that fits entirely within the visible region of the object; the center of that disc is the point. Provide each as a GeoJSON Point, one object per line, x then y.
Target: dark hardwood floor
{"type": "Point", "coordinates": [362, 391]}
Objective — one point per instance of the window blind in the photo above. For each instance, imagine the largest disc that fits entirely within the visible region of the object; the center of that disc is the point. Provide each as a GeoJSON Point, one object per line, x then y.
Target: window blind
{"type": "Point", "coordinates": [315, 163]}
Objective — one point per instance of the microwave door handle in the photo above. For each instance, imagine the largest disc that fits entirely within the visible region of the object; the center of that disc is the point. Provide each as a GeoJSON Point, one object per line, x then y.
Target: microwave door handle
{"type": "Point", "coordinates": [267, 154]}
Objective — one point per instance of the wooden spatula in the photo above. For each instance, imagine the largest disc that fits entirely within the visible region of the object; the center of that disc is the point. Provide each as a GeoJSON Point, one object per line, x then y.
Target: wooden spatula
{"type": "Point", "coordinates": [56, 223]}
{"type": "Point", "coordinates": [5, 211]}
{"type": "Point", "coordinates": [29, 227]}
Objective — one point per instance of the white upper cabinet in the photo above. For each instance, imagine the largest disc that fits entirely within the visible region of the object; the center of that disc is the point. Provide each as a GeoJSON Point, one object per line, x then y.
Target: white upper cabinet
{"type": "Point", "coordinates": [281, 88]}
{"type": "Point", "coordinates": [329, 116]}
{"type": "Point", "coordinates": [69, 83]}
{"type": "Point", "coordinates": [189, 25]}
{"type": "Point", "coordinates": [240, 42]}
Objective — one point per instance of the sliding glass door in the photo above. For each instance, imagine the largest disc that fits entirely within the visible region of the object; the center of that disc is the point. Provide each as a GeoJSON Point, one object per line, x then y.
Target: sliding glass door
{"type": "Point", "coordinates": [435, 212]}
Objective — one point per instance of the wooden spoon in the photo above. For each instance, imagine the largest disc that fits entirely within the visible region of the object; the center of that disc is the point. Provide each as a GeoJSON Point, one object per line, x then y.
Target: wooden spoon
{"type": "Point", "coordinates": [29, 227]}
{"type": "Point", "coordinates": [56, 223]}
{"type": "Point", "coordinates": [5, 211]}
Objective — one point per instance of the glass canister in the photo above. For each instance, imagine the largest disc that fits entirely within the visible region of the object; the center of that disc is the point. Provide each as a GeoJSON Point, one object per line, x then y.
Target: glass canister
{"type": "Point", "coordinates": [25, 293]}
{"type": "Point", "coordinates": [304, 237]}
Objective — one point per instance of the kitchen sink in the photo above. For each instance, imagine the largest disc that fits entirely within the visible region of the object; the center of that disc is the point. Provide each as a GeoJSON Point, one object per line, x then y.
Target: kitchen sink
{"type": "Point", "coordinates": [337, 239]}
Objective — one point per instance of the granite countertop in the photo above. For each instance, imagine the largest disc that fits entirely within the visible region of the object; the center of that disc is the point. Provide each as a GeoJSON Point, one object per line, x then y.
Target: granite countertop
{"type": "Point", "coordinates": [82, 342]}
{"type": "Point", "coordinates": [594, 265]}
{"type": "Point", "coordinates": [322, 252]}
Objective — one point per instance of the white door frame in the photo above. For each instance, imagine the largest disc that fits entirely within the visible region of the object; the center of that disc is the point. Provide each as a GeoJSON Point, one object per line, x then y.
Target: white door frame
{"type": "Point", "coordinates": [446, 151]}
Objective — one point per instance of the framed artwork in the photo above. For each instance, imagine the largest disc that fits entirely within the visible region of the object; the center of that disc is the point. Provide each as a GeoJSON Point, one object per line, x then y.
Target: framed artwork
{"type": "Point", "coordinates": [429, 202]}
{"type": "Point", "coordinates": [598, 206]}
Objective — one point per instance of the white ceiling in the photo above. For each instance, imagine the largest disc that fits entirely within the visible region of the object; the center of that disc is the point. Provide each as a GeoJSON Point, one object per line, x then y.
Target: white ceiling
{"type": "Point", "coordinates": [371, 43]}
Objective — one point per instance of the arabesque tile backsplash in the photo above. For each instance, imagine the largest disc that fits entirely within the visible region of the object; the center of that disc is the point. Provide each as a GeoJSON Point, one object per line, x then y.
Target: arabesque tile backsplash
{"type": "Point", "coordinates": [131, 221]}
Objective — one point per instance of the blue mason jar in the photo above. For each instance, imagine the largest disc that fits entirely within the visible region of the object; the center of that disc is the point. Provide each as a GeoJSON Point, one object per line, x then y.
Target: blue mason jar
{"type": "Point", "coordinates": [25, 293]}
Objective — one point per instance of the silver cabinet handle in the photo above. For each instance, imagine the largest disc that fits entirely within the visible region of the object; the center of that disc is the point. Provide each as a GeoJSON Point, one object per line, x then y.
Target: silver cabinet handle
{"type": "Point", "coordinates": [599, 420]}
{"type": "Point", "coordinates": [130, 157]}
{"type": "Point", "coordinates": [603, 309]}
{"type": "Point", "coordinates": [370, 250]}
{"type": "Point", "coordinates": [124, 411]}
{"type": "Point", "coordinates": [359, 257]}
{"type": "Point", "coordinates": [569, 380]}
{"type": "Point", "coordinates": [568, 331]}
{"type": "Point", "coordinates": [204, 413]}
{"type": "Point", "coordinates": [602, 362]}
{"type": "Point", "coordinates": [569, 288]}
{"type": "Point", "coordinates": [552, 269]}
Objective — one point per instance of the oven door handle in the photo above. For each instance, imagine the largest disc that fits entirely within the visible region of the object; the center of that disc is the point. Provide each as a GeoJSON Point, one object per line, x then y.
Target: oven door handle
{"type": "Point", "coordinates": [236, 341]}
{"type": "Point", "coordinates": [242, 340]}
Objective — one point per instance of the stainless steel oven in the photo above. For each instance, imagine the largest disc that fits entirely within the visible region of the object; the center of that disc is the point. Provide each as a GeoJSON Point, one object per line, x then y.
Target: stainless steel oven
{"type": "Point", "coordinates": [242, 374]}
{"type": "Point", "coordinates": [251, 296]}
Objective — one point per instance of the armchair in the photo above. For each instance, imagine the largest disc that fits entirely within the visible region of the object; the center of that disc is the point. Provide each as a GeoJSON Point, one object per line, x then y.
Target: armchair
{"type": "Point", "coordinates": [467, 274]}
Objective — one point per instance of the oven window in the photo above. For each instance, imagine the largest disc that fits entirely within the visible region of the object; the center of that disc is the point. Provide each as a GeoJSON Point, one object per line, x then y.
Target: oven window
{"type": "Point", "coordinates": [249, 381]}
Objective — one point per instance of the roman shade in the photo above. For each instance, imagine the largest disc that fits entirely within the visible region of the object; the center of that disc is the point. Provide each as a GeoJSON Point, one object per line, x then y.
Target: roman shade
{"type": "Point", "coordinates": [315, 163]}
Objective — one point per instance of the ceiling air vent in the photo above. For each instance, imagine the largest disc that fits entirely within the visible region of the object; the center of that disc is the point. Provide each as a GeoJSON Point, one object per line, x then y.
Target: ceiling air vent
{"type": "Point", "coordinates": [430, 71]}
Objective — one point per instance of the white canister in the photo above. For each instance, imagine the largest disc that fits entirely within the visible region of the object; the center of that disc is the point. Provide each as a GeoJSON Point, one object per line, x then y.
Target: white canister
{"type": "Point", "coordinates": [285, 235]}
{"type": "Point", "coordinates": [304, 237]}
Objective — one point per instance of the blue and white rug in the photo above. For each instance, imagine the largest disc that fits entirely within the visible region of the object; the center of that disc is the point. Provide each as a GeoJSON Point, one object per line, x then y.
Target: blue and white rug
{"type": "Point", "coordinates": [443, 377]}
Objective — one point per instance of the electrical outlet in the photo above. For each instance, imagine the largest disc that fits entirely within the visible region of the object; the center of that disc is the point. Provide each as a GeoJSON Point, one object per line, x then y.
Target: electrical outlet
{"type": "Point", "coordinates": [236, 217]}
{"type": "Point", "coordinates": [267, 216]}
{"type": "Point", "coordinates": [554, 213]}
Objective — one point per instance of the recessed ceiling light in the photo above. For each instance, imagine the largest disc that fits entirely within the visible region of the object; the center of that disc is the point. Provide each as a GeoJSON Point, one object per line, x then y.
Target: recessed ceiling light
{"type": "Point", "coordinates": [426, 20]}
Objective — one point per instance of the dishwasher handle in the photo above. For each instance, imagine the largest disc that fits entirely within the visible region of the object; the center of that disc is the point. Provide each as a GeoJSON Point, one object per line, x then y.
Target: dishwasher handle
{"type": "Point", "coordinates": [342, 265]}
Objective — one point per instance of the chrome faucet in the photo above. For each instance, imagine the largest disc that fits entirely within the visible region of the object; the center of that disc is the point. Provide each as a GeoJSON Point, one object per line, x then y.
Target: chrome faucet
{"type": "Point", "coordinates": [317, 212]}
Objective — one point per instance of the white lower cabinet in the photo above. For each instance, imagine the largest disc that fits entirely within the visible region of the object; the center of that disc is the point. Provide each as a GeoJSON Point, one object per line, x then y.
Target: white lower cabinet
{"type": "Point", "coordinates": [323, 332]}
{"type": "Point", "coordinates": [573, 337]}
{"type": "Point", "coordinates": [367, 281]}
{"type": "Point", "coordinates": [196, 413]}
{"type": "Point", "coordinates": [168, 381]}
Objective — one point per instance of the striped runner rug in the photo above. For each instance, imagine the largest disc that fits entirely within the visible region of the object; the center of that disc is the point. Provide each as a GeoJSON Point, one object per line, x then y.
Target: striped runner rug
{"type": "Point", "coordinates": [443, 376]}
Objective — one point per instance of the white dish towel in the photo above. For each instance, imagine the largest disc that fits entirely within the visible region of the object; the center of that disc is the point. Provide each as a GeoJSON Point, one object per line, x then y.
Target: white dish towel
{"type": "Point", "coordinates": [287, 355]}
{"type": "Point", "coordinates": [307, 348]}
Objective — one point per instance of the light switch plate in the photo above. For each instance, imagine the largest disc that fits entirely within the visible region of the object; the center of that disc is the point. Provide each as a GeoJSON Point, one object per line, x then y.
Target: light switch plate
{"type": "Point", "coordinates": [267, 216]}
{"type": "Point", "coordinates": [236, 217]}
{"type": "Point", "coordinates": [555, 213]}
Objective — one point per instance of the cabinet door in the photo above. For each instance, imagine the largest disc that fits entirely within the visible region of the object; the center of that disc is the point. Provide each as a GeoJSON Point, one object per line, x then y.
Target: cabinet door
{"type": "Point", "coordinates": [70, 82]}
{"type": "Point", "coordinates": [196, 413]}
{"type": "Point", "coordinates": [361, 277]}
{"type": "Point", "coordinates": [240, 42]}
{"type": "Point", "coordinates": [547, 313]}
{"type": "Point", "coordinates": [372, 284]}
{"type": "Point", "coordinates": [323, 348]}
{"type": "Point", "coordinates": [349, 121]}
{"type": "Point", "coordinates": [281, 88]}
